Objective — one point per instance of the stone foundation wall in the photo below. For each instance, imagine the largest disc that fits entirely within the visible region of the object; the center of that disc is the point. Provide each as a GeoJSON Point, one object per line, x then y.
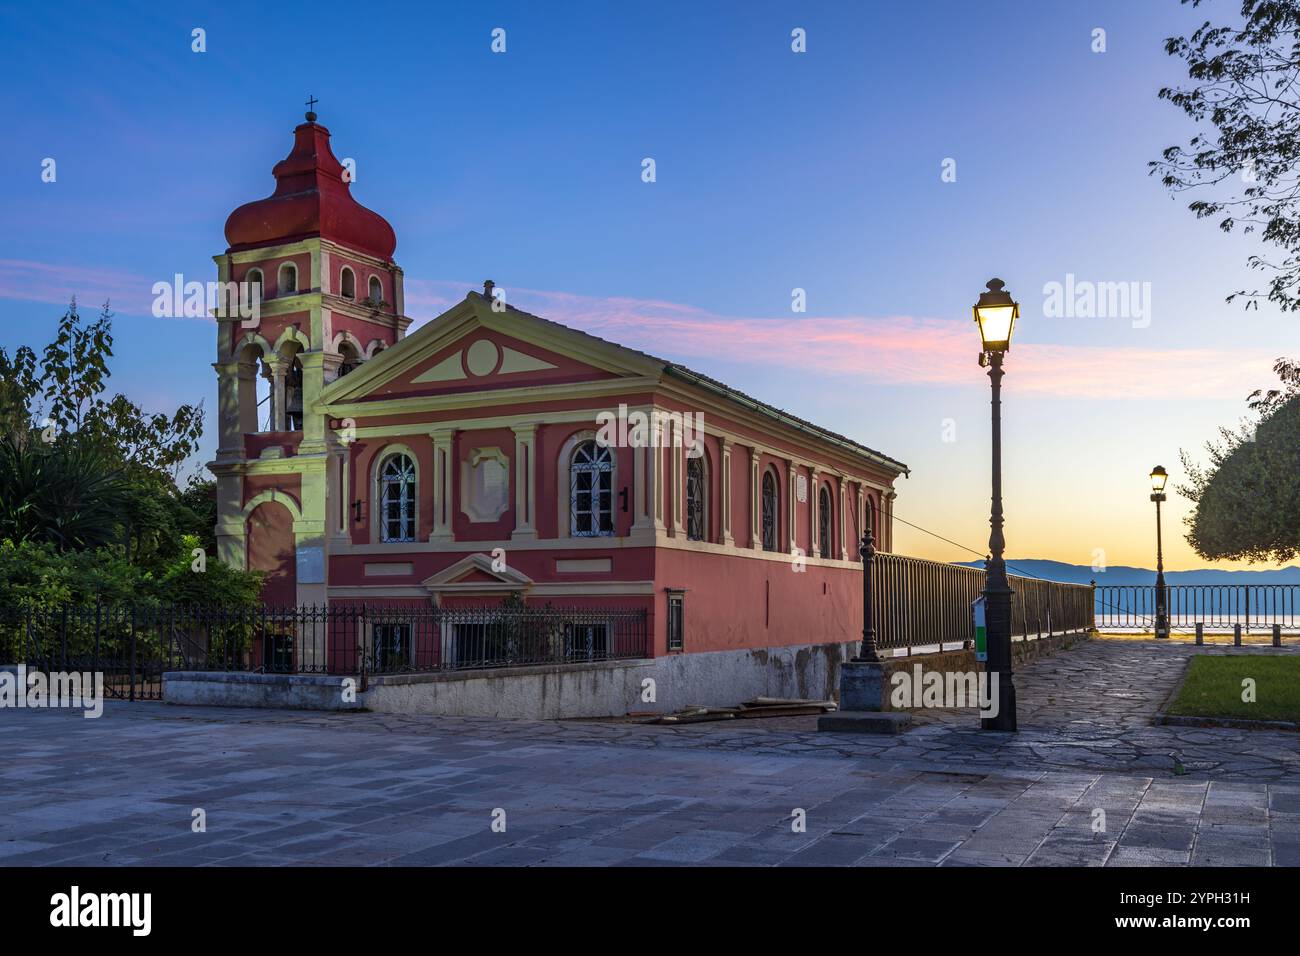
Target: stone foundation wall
{"type": "Point", "coordinates": [234, 689]}
{"type": "Point", "coordinates": [715, 678]}
{"type": "Point", "coordinates": [546, 692]}
{"type": "Point", "coordinates": [612, 688]}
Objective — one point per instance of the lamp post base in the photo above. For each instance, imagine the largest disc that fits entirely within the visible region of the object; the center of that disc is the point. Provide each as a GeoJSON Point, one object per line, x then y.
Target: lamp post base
{"type": "Point", "coordinates": [862, 686]}
{"type": "Point", "coordinates": [1005, 718]}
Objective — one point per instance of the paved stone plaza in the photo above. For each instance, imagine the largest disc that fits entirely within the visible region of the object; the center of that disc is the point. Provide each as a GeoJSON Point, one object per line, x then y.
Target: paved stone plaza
{"type": "Point", "coordinates": [354, 789]}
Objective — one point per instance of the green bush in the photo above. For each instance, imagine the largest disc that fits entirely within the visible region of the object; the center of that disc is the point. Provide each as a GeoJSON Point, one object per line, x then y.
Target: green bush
{"type": "Point", "coordinates": [38, 575]}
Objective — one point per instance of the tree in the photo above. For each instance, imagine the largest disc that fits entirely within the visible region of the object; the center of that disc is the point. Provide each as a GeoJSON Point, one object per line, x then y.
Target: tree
{"type": "Point", "coordinates": [18, 389]}
{"type": "Point", "coordinates": [90, 508]}
{"type": "Point", "coordinates": [1267, 401]}
{"type": "Point", "coordinates": [74, 367]}
{"type": "Point", "coordinates": [66, 397]}
{"type": "Point", "coordinates": [66, 493]}
{"type": "Point", "coordinates": [1244, 162]}
{"type": "Point", "coordinates": [1248, 497]}
{"type": "Point", "coordinates": [1243, 168]}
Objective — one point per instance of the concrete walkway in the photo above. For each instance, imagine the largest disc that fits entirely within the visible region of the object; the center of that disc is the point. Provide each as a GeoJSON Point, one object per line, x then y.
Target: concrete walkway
{"type": "Point", "coordinates": [1088, 781]}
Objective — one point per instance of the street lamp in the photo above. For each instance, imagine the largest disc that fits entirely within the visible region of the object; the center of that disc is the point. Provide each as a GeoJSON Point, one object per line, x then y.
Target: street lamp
{"type": "Point", "coordinates": [996, 313]}
{"type": "Point", "coordinates": [1158, 478]}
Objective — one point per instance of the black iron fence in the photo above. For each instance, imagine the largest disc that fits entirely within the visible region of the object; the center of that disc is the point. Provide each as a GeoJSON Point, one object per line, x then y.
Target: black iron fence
{"type": "Point", "coordinates": [1216, 607]}
{"type": "Point", "coordinates": [394, 640]}
{"type": "Point", "coordinates": [133, 647]}
{"type": "Point", "coordinates": [920, 603]}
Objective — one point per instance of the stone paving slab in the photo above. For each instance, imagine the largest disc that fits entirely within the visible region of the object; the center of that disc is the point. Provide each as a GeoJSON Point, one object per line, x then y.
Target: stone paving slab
{"type": "Point", "coordinates": [1086, 783]}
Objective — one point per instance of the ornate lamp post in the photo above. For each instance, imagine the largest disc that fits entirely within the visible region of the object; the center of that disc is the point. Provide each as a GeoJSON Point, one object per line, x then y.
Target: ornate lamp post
{"type": "Point", "coordinates": [869, 653]}
{"type": "Point", "coordinates": [995, 314]}
{"type": "Point", "coordinates": [1158, 478]}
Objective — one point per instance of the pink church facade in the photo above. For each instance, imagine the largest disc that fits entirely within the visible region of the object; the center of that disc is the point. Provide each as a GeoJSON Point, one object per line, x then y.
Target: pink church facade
{"type": "Point", "coordinates": [493, 453]}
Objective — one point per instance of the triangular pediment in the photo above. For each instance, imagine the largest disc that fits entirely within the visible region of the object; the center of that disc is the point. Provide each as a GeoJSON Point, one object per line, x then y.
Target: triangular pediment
{"type": "Point", "coordinates": [484, 358]}
{"type": "Point", "coordinates": [474, 573]}
{"type": "Point", "coordinates": [473, 348]}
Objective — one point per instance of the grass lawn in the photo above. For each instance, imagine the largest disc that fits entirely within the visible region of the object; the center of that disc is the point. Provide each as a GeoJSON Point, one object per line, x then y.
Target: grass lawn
{"type": "Point", "coordinates": [1214, 687]}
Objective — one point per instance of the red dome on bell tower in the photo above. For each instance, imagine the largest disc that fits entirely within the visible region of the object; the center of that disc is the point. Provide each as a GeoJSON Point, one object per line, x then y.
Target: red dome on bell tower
{"type": "Point", "coordinates": [311, 198]}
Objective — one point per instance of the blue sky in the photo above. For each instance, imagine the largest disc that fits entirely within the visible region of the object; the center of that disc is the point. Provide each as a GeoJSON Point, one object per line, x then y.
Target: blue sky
{"type": "Point", "coordinates": [775, 170]}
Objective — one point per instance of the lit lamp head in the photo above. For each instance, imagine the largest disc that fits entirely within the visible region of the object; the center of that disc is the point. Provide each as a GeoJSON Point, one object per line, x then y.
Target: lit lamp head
{"type": "Point", "coordinates": [1158, 478]}
{"type": "Point", "coordinates": [996, 313]}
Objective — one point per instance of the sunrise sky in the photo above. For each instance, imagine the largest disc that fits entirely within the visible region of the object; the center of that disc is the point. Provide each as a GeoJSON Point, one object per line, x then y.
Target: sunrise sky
{"type": "Point", "coordinates": [776, 170]}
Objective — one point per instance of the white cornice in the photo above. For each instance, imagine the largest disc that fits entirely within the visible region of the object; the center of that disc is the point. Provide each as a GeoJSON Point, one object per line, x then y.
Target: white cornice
{"type": "Point", "coordinates": [414, 404]}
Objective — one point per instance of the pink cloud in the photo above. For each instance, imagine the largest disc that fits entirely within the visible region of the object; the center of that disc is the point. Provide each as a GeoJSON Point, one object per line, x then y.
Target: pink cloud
{"type": "Point", "coordinates": [891, 350]}
{"type": "Point", "coordinates": [901, 350]}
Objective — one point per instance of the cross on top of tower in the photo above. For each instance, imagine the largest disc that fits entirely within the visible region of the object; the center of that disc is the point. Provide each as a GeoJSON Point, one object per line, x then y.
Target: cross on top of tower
{"type": "Point", "coordinates": [311, 107]}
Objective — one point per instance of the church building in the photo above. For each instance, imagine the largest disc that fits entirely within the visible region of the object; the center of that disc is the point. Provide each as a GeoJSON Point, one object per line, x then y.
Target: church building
{"type": "Point", "coordinates": [492, 454]}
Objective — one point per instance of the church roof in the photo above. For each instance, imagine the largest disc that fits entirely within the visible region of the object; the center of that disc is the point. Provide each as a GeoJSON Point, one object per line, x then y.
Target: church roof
{"type": "Point", "coordinates": [477, 306]}
{"type": "Point", "coordinates": [312, 198]}
{"type": "Point", "coordinates": [677, 370]}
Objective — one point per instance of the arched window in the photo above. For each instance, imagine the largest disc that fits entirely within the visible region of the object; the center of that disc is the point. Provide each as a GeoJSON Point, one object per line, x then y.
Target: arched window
{"type": "Point", "coordinates": [254, 384]}
{"type": "Point", "coordinates": [350, 359]}
{"type": "Point", "coordinates": [591, 493]}
{"type": "Point", "coordinates": [376, 290]}
{"type": "Point", "coordinates": [697, 527]}
{"type": "Point", "coordinates": [397, 498]}
{"type": "Point", "coordinates": [771, 507]}
{"type": "Point", "coordinates": [347, 283]}
{"type": "Point", "coordinates": [253, 279]}
{"type": "Point", "coordinates": [824, 522]}
{"type": "Point", "coordinates": [288, 281]}
{"type": "Point", "coordinates": [293, 396]}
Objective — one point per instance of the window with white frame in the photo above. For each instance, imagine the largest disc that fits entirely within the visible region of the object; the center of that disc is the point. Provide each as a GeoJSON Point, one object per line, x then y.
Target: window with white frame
{"type": "Point", "coordinates": [591, 491]}
{"type": "Point", "coordinates": [396, 481]}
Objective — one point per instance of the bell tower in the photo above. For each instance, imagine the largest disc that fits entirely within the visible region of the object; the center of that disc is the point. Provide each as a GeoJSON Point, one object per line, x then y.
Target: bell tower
{"type": "Point", "coordinates": [327, 296]}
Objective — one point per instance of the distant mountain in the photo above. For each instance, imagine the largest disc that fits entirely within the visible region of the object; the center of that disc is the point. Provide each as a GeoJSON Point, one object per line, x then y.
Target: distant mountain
{"type": "Point", "coordinates": [1119, 574]}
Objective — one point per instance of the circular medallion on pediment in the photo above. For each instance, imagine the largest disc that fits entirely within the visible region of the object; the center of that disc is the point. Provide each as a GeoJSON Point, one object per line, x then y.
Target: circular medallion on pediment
{"type": "Point", "coordinates": [482, 357]}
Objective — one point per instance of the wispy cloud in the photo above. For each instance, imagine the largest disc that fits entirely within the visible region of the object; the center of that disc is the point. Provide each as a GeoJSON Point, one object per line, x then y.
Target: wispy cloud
{"type": "Point", "coordinates": [56, 283]}
{"type": "Point", "coordinates": [902, 350]}
{"type": "Point", "coordinates": [889, 350]}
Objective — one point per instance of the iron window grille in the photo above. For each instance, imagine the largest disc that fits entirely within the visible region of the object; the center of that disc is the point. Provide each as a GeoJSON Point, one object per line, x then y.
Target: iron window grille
{"type": "Point", "coordinates": [769, 512]}
{"type": "Point", "coordinates": [587, 641]}
{"type": "Point", "coordinates": [824, 522]}
{"type": "Point", "coordinates": [695, 489]}
{"type": "Point", "coordinates": [397, 499]}
{"type": "Point", "coordinates": [392, 647]}
{"type": "Point", "coordinates": [676, 621]}
{"type": "Point", "coordinates": [591, 499]}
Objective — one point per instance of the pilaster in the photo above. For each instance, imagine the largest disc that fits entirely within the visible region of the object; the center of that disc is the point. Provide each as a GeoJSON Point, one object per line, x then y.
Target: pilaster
{"type": "Point", "coordinates": [525, 482]}
{"type": "Point", "coordinates": [725, 497]}
{"type": "Point", "coordinates": [792, 480]}
{"type": "Point", "coordinates": [443, 445]}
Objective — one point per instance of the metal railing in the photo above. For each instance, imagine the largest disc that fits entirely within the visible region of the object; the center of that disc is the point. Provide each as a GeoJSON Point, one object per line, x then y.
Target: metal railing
{"type": "Point", "coordinates": [396, 640]}
{"type": "Point", "coordinates": [1216, 607]}
{"type": "Point", "coordinates": [920, 603]}
{"type": "Point", "coordinates": [134, 646]}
